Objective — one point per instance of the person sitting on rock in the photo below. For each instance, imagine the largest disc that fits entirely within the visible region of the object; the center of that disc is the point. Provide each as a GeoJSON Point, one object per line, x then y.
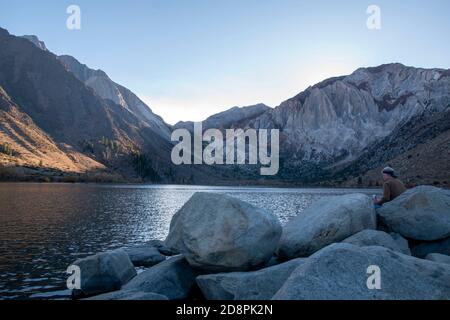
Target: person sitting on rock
{"type": "Point", "coordinates": [392, 187]}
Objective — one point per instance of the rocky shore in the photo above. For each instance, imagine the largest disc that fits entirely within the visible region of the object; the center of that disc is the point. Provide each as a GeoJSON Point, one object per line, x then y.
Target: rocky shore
{"type": "Point", "coordinates": [221, 248]}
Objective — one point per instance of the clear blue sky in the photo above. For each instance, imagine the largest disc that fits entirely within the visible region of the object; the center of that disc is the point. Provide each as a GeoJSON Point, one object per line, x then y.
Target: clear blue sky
{"type": "Point", "coordinates": [190, 58]}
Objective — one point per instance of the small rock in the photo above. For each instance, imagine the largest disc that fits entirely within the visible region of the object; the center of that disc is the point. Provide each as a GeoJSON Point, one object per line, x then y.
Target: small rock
{"type": "Point", "coordinates": [104, 272]}
{"type": "Point", "coordinates": [173, 278]}
{"type": "Point", "coordinates": [367, 238]}
{"type": "Point", "coordinates": [437, 257]}
{"type": "Point", "coordinates": [340, 272]}
{"type": "Point", "coordinates": [421, 249]}
{"type": "Point", "coordinates": [145, 255]}
{"type": "Point", "coordinates": [255, 285]}
{"type": "Point", "coordinates": [128, 295]}
{"type": "Point", "coordinates": [162, 248]}
{"type": "Point", "coordinates": [327, 221]}
{"type": "Point", "coordinates": [421, 213]}
{"type": "Point", "coordinates": [218, 233]}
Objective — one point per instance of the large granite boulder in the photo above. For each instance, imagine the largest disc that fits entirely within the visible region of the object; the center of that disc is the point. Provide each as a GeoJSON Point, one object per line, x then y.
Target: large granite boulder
{"type": "Point", "coordinates": [104, 272]}
{"type": "Point", "coordinates": [144, 255]}
{"type": "Point", "coordinates": [437, 257]}
{"type": "Point", "coordinates": [173, 278]}
{"type": "Point", "coordinates": [327, 221]}
{"type": "Point", "coordinates": [343, 271]}
{"type": "Point", "coordinates": [128, 295]}
{"type": "Point", "coordinates": [421, 213]}
{"type": "Point", "coordinates": [218, 233]}
{"type": "Point", "coordinates": [367, 238]}
{"type": "Point", "coordinates": [421, 249]}
{"type": "Point", "coordinates": [255, 285]}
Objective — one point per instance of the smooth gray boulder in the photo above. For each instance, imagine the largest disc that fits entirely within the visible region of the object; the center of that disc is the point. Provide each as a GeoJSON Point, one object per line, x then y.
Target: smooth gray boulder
{"type": "Point", "coordinates": [255, 285]}
{"type": "Point", "coordinates": [437, 257]}
{"type": "Point", "coordinates": [421, 249]}
{"type": "Point", "coordinates": [173, 278]}
{"type": "Point", "coordinates": [421, 213]}
{"type": "Point", "coordinates": [218, 233]}
{"type": "Point", "coordinates": [128, 295]}
{"type": "Point", "coordinates": [367, 238]}
{"type": "Point", "coordinates": [144, 255]}
{"type": "Point", "coordinates": [340, 272]}
{"type": "Point", "coordinates": [104, 272]}
{"type": "Point", "coordinates": [327, 221]}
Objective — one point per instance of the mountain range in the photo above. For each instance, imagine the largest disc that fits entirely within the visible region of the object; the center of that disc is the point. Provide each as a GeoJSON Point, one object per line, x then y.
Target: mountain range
{"type": "Point", "coordinates": [60, 118]}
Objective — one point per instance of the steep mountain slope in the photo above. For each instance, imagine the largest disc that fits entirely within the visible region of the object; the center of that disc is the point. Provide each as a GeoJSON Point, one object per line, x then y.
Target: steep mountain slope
{"type": "Point", "coordinates": [35, 40]}
{"type": "Point", "coordinates": [419, 150]}
{"type": "Point", "coordinates": [426, 163]}
{"type": "Point", "coordinates": [71, 113]}
{"type": "Point", "coordinates": [99, 81]}
{"type": "Point", "coordinates": [57, 102]}
{"type": "Point", "coordinates": [107, 89]}
{"type": "Point", "coordinates": [25, 144]}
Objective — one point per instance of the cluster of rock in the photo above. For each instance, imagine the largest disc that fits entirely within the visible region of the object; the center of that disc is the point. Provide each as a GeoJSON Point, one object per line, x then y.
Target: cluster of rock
{"type": "Point", "coordinates": [221, 248]}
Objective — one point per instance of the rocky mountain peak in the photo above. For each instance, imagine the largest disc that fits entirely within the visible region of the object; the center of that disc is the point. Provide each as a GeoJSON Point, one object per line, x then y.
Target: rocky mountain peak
{"type": "Point", "coordinates": [80, 70]}
{"type": "Point", "coordinates": [35, 40]}
{"type": "Point", "coordinates": [3, 32]}
{"type": "Point", "coordinates": [107, 89]}
{"type": "Point", "coordinates": [231, 118]}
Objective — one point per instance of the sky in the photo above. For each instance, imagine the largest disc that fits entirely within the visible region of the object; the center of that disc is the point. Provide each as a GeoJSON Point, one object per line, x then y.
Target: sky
{"type": "Point", "coordinates": [188, 59]}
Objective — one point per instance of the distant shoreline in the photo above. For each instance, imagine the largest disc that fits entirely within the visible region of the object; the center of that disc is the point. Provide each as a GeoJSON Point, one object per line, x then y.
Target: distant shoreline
{"type": "Point", "coordinates": [224, 185]}
{"type": "Point", "coordinates": [47, 175]}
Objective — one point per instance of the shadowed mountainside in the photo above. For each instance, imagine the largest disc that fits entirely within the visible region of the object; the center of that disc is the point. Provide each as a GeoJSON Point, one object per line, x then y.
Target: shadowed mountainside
{"type": "Point", "coordinates": [74, 115]}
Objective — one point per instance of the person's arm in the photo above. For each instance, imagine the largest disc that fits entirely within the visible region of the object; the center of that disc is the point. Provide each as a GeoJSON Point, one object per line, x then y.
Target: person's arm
{"type": "Point", "coordinates": [386, 194]}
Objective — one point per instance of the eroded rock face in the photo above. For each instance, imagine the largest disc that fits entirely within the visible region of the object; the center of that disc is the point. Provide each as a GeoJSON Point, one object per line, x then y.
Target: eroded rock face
{"type": "Point", "coordinates": [327, 221]}
{"type": "Point", "coordinates": [173, 278]}
{"type": "Point", "coordinates": [421, 213]}
{"type": "Point", "coordinates": [104, 272]}
{"type": "Point", "coordinates": [343, 115]}
{"type": "Point", "coordinates": [368, 238]}
{"type": "Point", "coordinates": [339, 272]}
{"type": "Point", "coordinates": [218, 233]}
{"type": "Point", "coordinates": [255, 285]}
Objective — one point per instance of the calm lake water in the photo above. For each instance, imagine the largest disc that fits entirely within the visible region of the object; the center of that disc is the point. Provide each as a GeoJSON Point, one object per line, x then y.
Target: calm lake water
{"type": "Point", "coordinates": [45, 227]}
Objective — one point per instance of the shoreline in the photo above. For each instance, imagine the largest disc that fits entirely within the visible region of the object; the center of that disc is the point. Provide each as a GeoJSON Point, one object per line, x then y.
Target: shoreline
{"type": "Point", "coordinates": [249, 186]}
{"type": "Point", "coordinates": [224, 185]}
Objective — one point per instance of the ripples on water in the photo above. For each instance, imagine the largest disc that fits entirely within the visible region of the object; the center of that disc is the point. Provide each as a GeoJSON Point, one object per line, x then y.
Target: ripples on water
{"type": "Point", "coordinates": [45, 227]}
